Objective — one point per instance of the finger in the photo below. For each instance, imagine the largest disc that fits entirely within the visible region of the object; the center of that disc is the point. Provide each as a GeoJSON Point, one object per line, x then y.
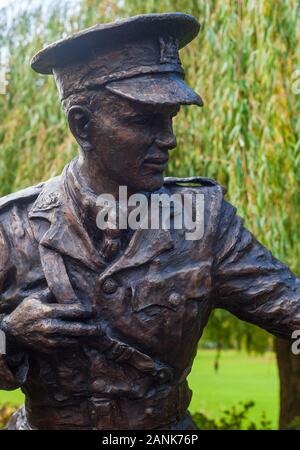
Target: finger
{"type": "Point", "coordinates": [56, 326]}
{"type": "Point", "coordinates": [49, 343]}
{"type": "Point", "coordinates": [70, 311]}
{"type": "Point", "coordinates": [61, 341]}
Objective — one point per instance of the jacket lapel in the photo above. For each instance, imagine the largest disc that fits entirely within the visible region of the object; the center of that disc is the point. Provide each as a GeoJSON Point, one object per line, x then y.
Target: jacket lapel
{"type": "Point", "coordinates": [143, 247]}
{"type": "Point", "coordinates": [66, 234]}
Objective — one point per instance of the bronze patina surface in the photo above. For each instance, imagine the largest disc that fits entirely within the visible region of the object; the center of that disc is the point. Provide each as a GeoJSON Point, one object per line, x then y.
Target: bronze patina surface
{"type": "Point", "coordinates": [102, 327]}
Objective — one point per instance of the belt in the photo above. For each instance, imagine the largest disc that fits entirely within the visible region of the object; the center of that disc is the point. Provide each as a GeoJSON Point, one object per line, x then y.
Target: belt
{"type": "Point", "coordinates": [165, 409]}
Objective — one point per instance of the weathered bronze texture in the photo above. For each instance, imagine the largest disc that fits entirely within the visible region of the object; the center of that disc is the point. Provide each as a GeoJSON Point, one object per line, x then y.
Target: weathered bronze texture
{"type": "Point", "coordinates": [102, 327]}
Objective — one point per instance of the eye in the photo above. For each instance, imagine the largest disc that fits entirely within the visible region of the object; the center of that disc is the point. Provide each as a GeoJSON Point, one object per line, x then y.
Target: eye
{"type": "Point", "coordinates": [142, 119]}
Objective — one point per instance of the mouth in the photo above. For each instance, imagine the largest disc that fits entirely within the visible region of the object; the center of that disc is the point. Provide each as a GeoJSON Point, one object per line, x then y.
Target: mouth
{"type": "Point", "coordinates": [158, 163]}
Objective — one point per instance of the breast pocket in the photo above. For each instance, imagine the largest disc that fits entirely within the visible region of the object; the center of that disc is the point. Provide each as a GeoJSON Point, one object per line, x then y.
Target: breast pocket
{"type": "Point", "coordinates": [171, 290]}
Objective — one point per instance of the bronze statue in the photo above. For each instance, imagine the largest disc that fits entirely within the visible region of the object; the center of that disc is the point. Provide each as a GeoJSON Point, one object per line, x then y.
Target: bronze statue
{"type": "Point", "coordinates": [102, 326]}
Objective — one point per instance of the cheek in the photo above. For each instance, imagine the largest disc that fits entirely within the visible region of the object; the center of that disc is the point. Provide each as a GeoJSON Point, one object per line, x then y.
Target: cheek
{"type": "Point", "coordinates": [132, 136]}
{"type": "Point", "coordinates": [131, 142]}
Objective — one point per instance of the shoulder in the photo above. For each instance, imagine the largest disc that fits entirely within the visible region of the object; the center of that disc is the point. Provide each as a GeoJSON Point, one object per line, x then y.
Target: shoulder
{"type": "Point", "coordinates": [15, 227]}
{"type": "Point", "coordinates": [212, 193]}
{"type": "Point", "coordinates": [21, 197]}
{"type": "Point", "coordinates": [194, 183]}
{"type": "Point", "coordinates": [42, 195]}
{"type": "Point", "coordinates": [14, 222]}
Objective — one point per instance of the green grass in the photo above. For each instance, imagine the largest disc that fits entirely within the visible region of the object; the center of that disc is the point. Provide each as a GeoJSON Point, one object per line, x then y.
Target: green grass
{"type": "Point", "coordinates": [241, 377]}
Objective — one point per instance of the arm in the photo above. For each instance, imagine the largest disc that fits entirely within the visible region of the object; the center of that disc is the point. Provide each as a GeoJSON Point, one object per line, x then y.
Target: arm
{"type": "Point", "coordinates": [30, 316]}
{"type": "Point", "coordinates": [249, 282]}
{"type": "Point", "coordinates": [14, 363]}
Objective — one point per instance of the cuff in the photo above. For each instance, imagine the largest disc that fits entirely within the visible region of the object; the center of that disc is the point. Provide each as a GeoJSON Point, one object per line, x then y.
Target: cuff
{"type": "Point", "coordinates": [13, 366]}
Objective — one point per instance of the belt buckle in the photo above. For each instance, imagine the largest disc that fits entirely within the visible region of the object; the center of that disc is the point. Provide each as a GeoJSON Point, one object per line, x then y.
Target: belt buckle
{"type": "Point", "coordinates": [102, 413]}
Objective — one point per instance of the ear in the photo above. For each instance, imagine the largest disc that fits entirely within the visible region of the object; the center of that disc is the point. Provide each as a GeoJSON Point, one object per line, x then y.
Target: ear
{"type": "Point", "coordinates": [79, 119]}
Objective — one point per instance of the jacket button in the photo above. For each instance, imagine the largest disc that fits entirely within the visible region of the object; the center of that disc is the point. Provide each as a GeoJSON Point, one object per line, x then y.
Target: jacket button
{"type": "Point", "coordinates": [164, 375]}
{"type": "Point", "coordinates": [109, 286]}
{"type": "Point", "coordinates": [174, 299]}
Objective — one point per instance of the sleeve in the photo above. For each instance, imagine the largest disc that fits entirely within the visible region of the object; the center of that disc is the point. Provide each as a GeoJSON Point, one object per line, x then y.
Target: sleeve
{"type": "Point", "coordinates": [249, 282]}
{"type": "Point", "coordinates": [13, 362]}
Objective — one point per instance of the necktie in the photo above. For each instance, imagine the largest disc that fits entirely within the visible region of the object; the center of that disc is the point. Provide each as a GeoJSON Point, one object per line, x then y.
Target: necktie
{"type": "Point", "coordinates": [111, 244]}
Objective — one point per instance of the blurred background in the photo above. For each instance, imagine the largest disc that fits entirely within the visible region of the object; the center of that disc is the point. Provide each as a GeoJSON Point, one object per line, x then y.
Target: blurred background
{"type": "Point", "coordinates": [244, 64]}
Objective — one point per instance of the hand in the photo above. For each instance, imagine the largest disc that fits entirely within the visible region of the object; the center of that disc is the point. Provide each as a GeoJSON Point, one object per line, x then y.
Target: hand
{"type": "Point", "coordinates": [44, 326]}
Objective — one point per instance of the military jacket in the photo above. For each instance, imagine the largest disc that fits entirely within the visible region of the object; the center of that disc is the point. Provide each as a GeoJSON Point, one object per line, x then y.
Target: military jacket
{"type": "Point", "coordinates": [153, 302]}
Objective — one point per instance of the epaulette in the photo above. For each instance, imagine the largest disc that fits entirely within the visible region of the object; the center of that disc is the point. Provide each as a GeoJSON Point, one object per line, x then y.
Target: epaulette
{"type": "Point", "coordinates": [29, 193]}
{"type": "Point", "coordinates": [202, 181]}
{"type": "Point", "coordinates": [49, 198]}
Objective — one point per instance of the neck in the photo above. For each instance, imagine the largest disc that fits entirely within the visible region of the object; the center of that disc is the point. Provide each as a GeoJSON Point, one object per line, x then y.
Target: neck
{"type": "Point", "coordinates": [85, 189]}
{"type": "Point", "coordinates": [82, 192]}
{"type": "Point", "coordinates": [98, 183]}
{"type": "Point", "coordinates": [84, 199]}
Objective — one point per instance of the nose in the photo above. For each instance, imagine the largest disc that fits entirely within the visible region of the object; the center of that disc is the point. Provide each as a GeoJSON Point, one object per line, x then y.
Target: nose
{"type": "Point", "coordinates": [167, 142]}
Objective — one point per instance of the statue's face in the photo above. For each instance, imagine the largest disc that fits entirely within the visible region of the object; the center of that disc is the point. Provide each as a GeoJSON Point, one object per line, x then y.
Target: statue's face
{"type": "Point", "coordinates": [130, 141]}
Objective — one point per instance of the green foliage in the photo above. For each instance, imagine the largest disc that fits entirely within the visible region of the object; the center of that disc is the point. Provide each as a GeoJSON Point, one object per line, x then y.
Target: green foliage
{"type": "Point", "coordinates": [241, 376]}
{"type": "Point", "coordinates": [234, 418]}
{"type": "Point", "coordinates": [246, 136]}
{"type": "Point", "coordinates": [226, 331]}
{"type": "Point", "coordinates": [295, 424]}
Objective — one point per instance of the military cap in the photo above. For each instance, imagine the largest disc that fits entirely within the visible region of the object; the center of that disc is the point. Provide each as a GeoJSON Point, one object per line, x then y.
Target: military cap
{"type": "Point", "coordinates": [136, 58]}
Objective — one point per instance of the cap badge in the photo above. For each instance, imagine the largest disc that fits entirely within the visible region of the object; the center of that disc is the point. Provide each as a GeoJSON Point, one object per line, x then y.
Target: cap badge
{"type": "Point", "coordinates": [169, 50]}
